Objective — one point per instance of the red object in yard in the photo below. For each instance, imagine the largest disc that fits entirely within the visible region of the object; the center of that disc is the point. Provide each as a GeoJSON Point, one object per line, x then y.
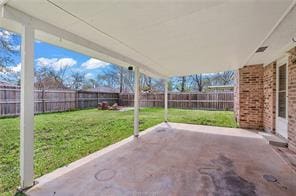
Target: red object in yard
{"type": "Point", "coordinates": [105, 105]}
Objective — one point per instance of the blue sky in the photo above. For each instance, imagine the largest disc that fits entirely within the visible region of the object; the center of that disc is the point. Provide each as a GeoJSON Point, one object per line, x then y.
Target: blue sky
{"type": "Point", "coordinates": [57, 57]}
{"type": "Point", "coordinates": [75, 61]}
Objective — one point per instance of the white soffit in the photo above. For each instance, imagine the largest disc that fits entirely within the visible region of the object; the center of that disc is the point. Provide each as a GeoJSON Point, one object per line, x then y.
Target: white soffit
{"type": "Point", "coordinates": [168, 37]}
{"type": "Point", "coordinates": [279, 42]}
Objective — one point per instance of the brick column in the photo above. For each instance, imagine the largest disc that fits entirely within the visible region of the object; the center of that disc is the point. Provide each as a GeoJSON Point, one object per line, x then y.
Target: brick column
{"type": "Point", "coordinates": [292, 100]}
{"type": "Point", "coordinates": [269, 95]}
{"type": "Point", "coordinates": [249, 97]}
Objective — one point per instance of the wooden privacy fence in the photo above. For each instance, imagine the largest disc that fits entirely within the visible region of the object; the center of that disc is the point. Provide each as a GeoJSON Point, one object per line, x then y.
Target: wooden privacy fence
{"type": "Point", "coordinates": [204, 101]}
{"type": "Point", "coordinates": [53, 100]}
{"type": "Point", "coordinates": [63, 100]}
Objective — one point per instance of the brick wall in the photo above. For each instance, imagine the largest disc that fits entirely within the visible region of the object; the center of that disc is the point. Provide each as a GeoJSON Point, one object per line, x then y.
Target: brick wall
{"type": "Point", "coordinates": [269, 97]}
{"type": "Point", "coordinates": [292, 100]}
{"type": "Point", "coordinates": [249, 103]}
{"type": "Point", "coordinates": [255, 98]}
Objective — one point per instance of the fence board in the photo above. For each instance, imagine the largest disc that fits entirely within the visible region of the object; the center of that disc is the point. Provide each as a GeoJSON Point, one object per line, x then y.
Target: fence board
{"type": "Point", "coordinates": [205, 101]}
{"type": "Point", "coordinates": [53, 100]}
{"type": "Point", "coordinates": [63, 100]}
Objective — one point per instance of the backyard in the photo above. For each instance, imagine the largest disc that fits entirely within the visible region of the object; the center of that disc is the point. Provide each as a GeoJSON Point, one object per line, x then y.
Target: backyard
{"type": "Point", "coordinates": [61, 138]}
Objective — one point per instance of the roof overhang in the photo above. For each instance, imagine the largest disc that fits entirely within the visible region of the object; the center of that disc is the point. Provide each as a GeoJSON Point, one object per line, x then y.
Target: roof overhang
{"type": "Point", "coordinates": [164, 38]}
{"type": "Point", "coordinates": [13, 19]}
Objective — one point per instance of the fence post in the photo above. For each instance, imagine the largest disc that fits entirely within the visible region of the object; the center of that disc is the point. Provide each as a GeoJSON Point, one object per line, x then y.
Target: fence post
{"type": "Point", "coordinates": [43, 100]}
{"type": "Point", "coordinates": [5, 104]}
{"type": "Point", "coordinates": [128, 101]}
{"type": "Point", "coordinates": [76, 99]}
{"type": "Point", "coordinates": [190, 105]}
{"type": "Point", "coordinates": [166, 101]}
{"type": "Point", "coordinates": [98, 98]}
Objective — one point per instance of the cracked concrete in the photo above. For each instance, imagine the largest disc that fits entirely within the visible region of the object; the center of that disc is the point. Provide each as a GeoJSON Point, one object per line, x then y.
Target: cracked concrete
{"type": "Point", "coordinates": [178, 159]}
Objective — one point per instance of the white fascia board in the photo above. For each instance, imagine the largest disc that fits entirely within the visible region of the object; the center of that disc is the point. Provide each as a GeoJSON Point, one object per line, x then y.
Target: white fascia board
{"type": "Point", "coordinates": [82, 45]}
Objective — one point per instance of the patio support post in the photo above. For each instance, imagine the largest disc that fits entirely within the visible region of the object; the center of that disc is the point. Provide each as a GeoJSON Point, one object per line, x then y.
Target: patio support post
{"type": "Point", "coordinates": [136, 101]}
{"type": "Point", "coordinates": [165, 100]}
{"type": "Point", "coordinates": [27, 107]}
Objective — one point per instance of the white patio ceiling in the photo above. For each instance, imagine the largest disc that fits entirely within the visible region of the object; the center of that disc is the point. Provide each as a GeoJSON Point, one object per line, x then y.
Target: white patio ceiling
{"type": "Point", "coordinates": [164, 38]}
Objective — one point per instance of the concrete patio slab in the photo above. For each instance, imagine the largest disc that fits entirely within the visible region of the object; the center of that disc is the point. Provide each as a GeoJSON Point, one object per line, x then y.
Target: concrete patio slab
{"type": "Point", "coordinates": [177, 159]}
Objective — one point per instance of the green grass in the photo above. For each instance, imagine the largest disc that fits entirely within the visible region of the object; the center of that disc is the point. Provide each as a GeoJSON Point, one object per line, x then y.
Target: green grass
{"type": "Point", "coordinates": [61, 138]}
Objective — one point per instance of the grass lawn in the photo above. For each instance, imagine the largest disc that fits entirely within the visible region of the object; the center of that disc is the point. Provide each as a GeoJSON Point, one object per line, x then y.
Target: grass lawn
{"type": "Point", "coordinates": [61, 138]}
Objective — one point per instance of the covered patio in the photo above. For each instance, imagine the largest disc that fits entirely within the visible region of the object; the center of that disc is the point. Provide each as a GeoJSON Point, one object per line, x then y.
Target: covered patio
{"type": "Point", "coordinates": [164, 39]}
{"type": "Point", "coordinates": [176, 159]}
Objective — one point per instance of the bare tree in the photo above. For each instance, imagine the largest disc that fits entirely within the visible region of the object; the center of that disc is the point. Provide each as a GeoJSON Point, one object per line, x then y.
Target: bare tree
{"type": "Point", "coordinates": [180, 83]}
{"type": "Point", "coordinates": [158, 85]}
{"type": "Point", "coordinates": [201, 81]}
{"type": "Point", "coordinates": [40, 75]}
{"type": "Point", "coordinates": [9, 47]}
{"type": "Point", "coordinates": [198, 81]}
{"type": "Point", "coordinates": [170, 85]}
{"type": "Point", "coordinates": [183, 83]}
{"type": "Point", "coordinates": [9, 50]}
{"type": "Point", "coordinates": [129, 81]}
{"type": "Point", "coordinates": [110, 77]}
{"type": "Point", "coordinates": [77, 78]}
{"type": "Point", "coordinates": [89, 84]}
{"type": "Point", "coordinates": [121, 80]}
{"type": "Point", "coordinates": [93, 82]}
{"type": "Point", "coordinates": [146, 83]}
{"type": "Point", "coordinates": [48, 77]}
{"type": "Point", "coordinates": [224, 78]}
{"type": "Point", "coordinates": [116, 77]}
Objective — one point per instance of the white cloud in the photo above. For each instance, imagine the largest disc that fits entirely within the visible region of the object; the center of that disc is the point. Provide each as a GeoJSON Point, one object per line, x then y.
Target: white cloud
{"type": "Point", "coordinates": [94, 63]}
{"type": "Point", "coordinates": [55, 62]}
{"type": "Point", "coordinates": [6, 35]}
{"type": "Point", "coordinates": [89, 76]}
{"type": "Point", "coordinates": [16, 47]}
{"type": "Point", "coordinates": [45, 61]}
{"type": "Point", "coordinates": [63, 62]}
{"type": "Point", "coordinates": [17, 68]}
